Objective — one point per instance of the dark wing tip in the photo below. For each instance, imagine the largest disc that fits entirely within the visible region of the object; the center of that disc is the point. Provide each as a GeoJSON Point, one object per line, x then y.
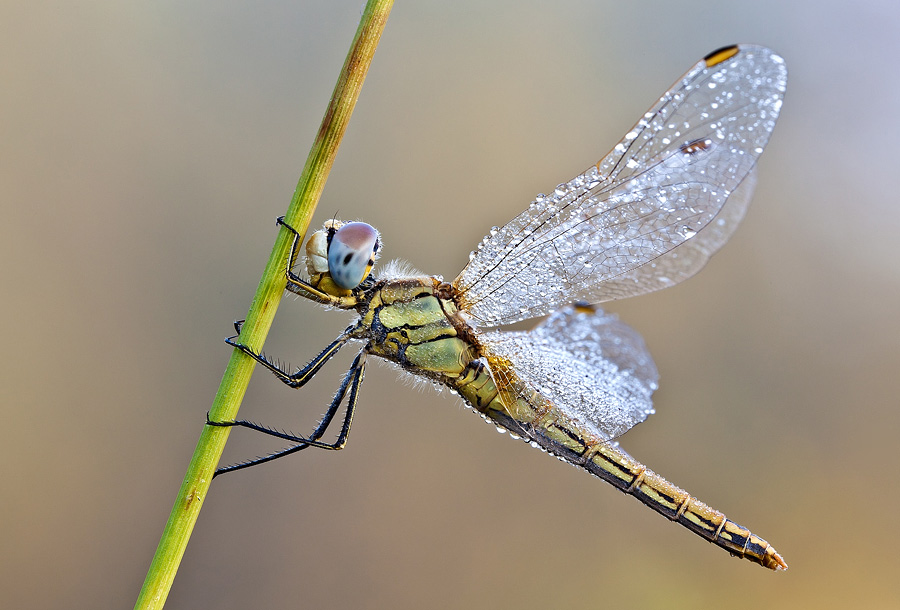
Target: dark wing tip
{"type": "Point", "coordinates": [720, 55]}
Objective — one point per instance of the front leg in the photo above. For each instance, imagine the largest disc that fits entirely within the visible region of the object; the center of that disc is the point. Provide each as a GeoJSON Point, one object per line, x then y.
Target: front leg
{"type": "Point", "coordinates": [296, 284]}
{"type": "Point", "coordinates": [299, 286]}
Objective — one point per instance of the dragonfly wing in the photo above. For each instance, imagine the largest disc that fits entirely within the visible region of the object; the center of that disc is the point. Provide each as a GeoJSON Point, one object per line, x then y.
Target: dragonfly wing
{"type": "Point", "coordinates": [651, 201]}
{"type": "Point", "coordinates": [685, 260]}
{"type": "Point", "coordinates": [594, 369]}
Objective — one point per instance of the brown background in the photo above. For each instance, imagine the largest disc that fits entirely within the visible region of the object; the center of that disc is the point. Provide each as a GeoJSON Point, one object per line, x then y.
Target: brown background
{"type": "Point", "coordinates": [146, 149]}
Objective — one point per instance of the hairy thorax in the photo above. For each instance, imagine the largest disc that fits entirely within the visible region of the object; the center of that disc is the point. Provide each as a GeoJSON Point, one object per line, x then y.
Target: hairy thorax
{"type": "Point", "coordinates": [415, 322]}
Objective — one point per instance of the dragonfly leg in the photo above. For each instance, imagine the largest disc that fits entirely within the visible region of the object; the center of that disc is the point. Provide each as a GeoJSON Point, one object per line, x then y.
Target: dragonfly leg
{"type": "Point", "coordinates": [292, 277]}
{"type": "Point", "coordinates": [352, 382]}
{"type": "Point", "coordinates": [301, 376]}
{"type": "Point", "coordinates": [295, 283]}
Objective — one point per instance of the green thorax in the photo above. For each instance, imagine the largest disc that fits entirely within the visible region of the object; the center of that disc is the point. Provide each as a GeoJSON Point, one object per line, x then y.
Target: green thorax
{"type": "Point", "coordinates": [415, 323]}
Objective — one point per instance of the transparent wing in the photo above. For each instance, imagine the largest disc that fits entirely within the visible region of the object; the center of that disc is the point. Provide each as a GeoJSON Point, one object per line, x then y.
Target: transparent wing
{"type": "Point", "coordinates": [651, 212]}
{"type": "Point", "coordinates": [595, 369]}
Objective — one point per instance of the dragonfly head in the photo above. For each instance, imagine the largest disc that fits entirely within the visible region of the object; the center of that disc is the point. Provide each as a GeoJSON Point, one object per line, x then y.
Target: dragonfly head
{"type": "Point", "coordinates": [343, 253]}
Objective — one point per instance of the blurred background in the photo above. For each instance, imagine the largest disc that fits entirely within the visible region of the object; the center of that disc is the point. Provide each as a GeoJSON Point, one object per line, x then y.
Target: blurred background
{"type": "Point", "coordinates": [145, 151]}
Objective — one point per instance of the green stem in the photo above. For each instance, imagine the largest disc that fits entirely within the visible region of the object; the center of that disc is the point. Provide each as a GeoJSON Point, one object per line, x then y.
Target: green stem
{"type": "Point", "coordinates": [262, 311]}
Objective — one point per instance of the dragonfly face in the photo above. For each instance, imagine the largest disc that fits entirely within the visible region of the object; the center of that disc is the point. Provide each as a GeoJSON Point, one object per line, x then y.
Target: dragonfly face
{"type": "Point", "coordinates": [646, 216]}
{"type": "Point", "coordinates": [342, 255]}
{"type": "Point", "coordinates": [351, 253]}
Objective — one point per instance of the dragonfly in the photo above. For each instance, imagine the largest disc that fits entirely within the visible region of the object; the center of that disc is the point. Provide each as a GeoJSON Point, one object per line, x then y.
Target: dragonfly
{"type": "Point", "coordinates": [646, 216]}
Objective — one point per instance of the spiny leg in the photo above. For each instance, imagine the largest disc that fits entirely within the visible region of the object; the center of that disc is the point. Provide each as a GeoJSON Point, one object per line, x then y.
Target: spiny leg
{"type": "Point", "coordinates": [301, 376]}
{"type": "Point", "coordinates": [352, 380]}
{"type": "Point", "coordinates": [295, 246]}
{"type": "Point", "coordinates": [296, 284]}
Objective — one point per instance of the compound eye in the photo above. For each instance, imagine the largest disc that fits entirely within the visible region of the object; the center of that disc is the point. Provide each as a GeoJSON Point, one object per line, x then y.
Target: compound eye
{"type": "Point", "coordinates": [351, 254]}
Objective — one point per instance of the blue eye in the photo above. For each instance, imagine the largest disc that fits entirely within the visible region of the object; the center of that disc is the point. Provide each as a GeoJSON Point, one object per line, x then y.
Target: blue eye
{"type": "Point", "coordinates": [351, 254]}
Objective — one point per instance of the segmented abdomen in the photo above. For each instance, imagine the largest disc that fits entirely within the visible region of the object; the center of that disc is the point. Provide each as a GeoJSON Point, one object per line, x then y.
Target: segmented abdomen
{"type": "Point", "coordinates": [525, 414]}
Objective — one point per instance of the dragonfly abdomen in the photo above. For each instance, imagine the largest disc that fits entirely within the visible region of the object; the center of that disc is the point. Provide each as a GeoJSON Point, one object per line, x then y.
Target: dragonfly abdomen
{"type": "Point", "coordinates": [532, 418]}
{"type": "Point", "coordinates": [611, 464]}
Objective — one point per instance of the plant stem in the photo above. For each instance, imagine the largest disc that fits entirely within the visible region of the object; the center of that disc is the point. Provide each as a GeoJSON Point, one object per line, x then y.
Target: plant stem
{"type": "Point", "coordinates": [262, 310]}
